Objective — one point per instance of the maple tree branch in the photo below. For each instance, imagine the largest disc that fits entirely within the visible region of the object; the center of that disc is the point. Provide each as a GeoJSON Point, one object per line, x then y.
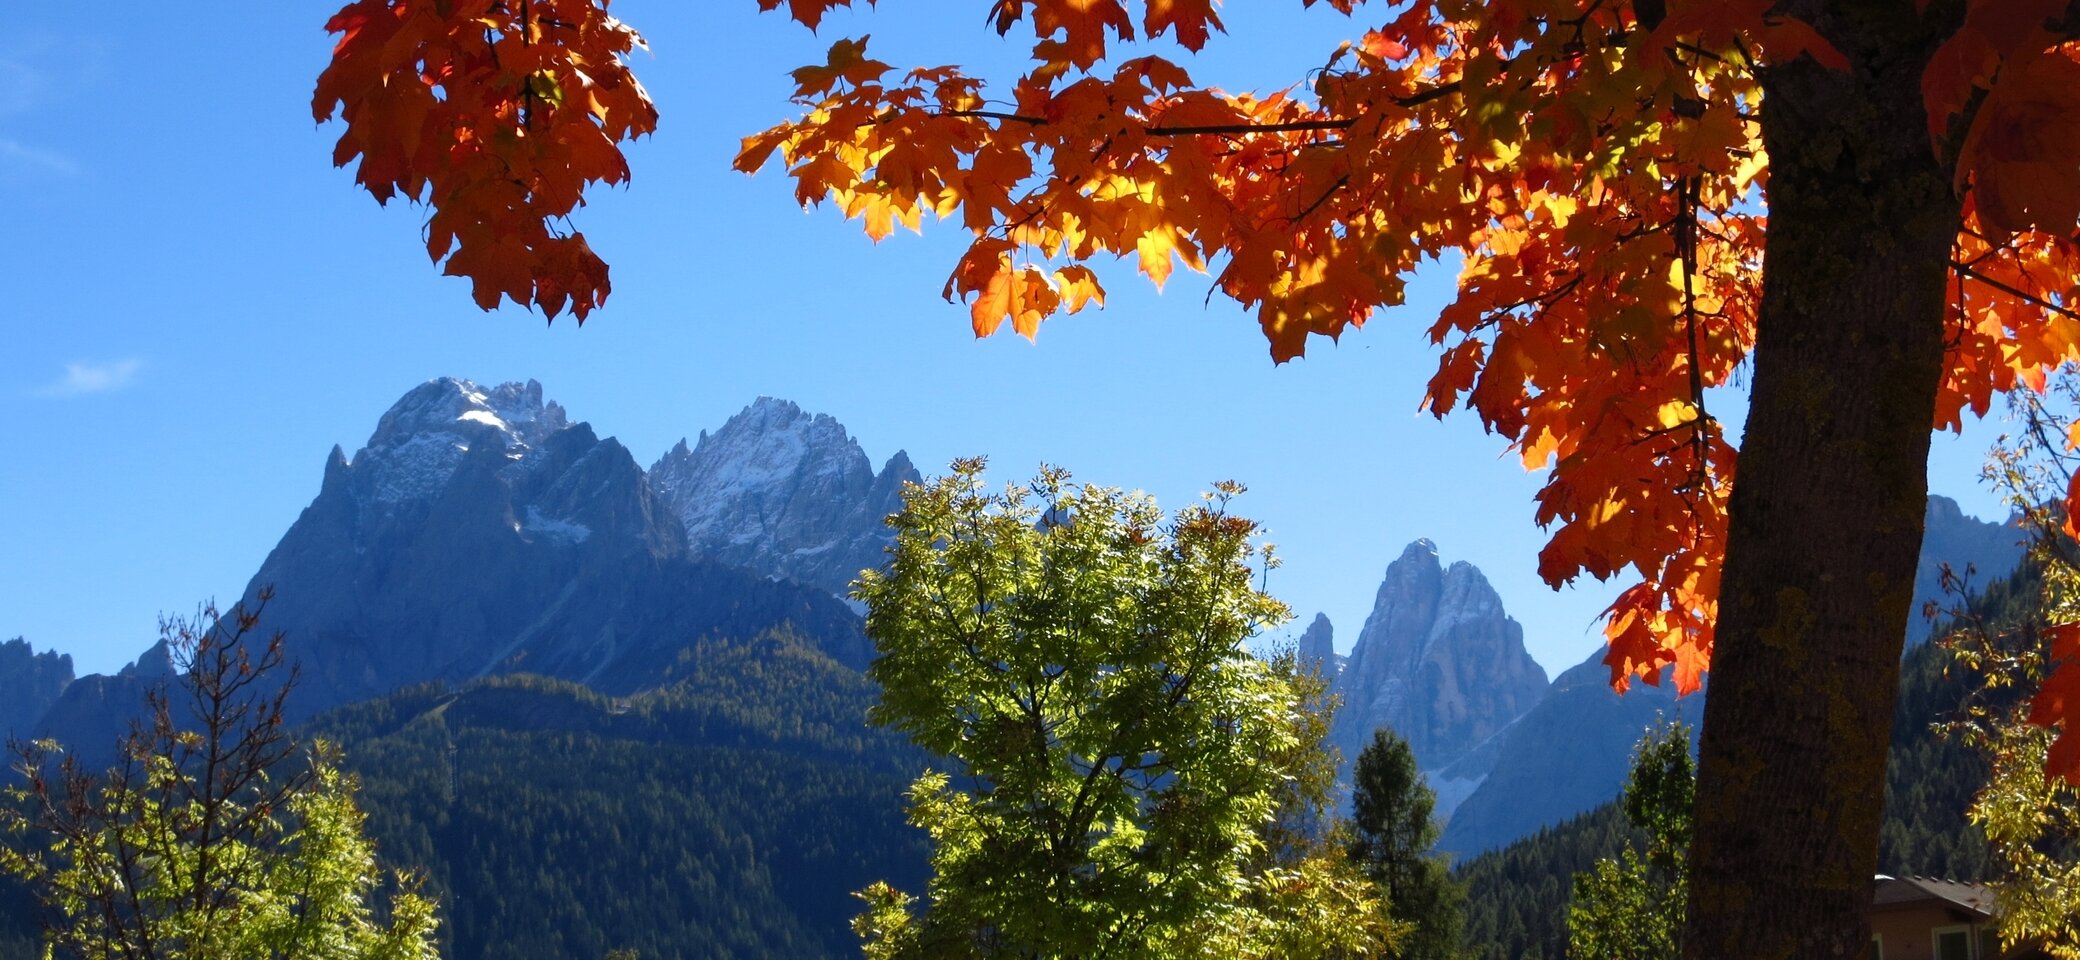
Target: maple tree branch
{"type": "Point", "coordinates": [1416, 99]}
{"type": "Point", "coordinates": [1964, 270]}
{"type": "Point", "coordinates": [1225, 129]}
{"type": "Point", "coordinates": [1687, 425]}
{"type": "Point", "coordinates": [1291, 126]}
{"type": "Point", "coordinates": [1686, 246]}
{"type": "Point", "coordinates": [1955, 339]}
{"type": "Point", "coordinates": [1340, 183]}
{"type": "Point", "coordinates": [996, 115]}
{"type": "Point", "coordinates": [1545, 299]}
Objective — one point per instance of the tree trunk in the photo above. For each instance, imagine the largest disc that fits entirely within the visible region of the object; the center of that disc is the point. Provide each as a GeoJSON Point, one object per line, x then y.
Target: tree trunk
{"type": "Point", "coordinates": [1826, 515]}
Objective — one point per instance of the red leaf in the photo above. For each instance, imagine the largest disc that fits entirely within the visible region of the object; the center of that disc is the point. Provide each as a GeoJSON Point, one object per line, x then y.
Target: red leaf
{"type": "Point", "coordinates": [2058, 700]}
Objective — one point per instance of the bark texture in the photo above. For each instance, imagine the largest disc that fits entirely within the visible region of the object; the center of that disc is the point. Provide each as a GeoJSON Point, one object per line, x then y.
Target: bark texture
{"type": "Point", "coordinates": [1826, 516]}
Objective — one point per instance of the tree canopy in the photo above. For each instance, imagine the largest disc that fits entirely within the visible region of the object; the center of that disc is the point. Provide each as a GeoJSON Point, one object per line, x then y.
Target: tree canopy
{"type": "Point", "coordinates": [1871, 203]}
{"type": "Point", "coordinates": [216, 835]}
{"type": "Point", "coordinates": [1118, 761]}
{"type": "Point", "coordinates": [1631, 907]}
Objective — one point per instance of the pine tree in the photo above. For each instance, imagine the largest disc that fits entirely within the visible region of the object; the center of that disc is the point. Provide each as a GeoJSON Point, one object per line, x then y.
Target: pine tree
{"type": "Point", "coordinates": [1393, 833]}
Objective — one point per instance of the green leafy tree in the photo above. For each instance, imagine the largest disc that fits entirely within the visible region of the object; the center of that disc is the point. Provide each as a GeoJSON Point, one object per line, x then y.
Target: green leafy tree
{"type": "Point", "coordinates": [1118, 764]}
{"type": "Point", "coordinates": [1631, 908]}
{"type": "Point", "coordinates": [2029, 812]}
{"type": "Point", "coordinates": [1393, 834]}
{"type": "Point", "coordinates": [216, 836]}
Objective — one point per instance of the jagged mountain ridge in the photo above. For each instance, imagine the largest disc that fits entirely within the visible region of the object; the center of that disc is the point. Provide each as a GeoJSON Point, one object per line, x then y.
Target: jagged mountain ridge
{"type": "Point", "coordinates": [1571, 752]}
{"type": "Point", "coordinates": [784, 491]}
{"type": "Point", "coordinates": [481, 531]}
{"type": "Point", "coordinates": [30, 683]}
{"type": "Point", "coordinates": [1438, 660]}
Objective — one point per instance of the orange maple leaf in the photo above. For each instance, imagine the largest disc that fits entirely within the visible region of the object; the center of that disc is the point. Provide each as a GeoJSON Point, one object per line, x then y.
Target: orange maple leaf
{"type": "Point", "coordinates": [498, 117]}
{"type": "Point", "coordinates": [2058, 702]}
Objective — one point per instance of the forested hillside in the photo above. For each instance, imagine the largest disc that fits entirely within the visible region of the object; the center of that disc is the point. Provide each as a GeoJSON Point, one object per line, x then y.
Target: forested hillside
{"type": "Point", "coordinates": [1517, 896]}
{"type": "Point", "coordinates": [729, 814]}
{"type": "Point", "coordinates": [556, 823]}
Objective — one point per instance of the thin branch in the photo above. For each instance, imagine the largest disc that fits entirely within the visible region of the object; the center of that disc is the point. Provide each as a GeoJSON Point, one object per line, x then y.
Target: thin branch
{"type": "Point", "coordinates": [2014, 291]}
{"type": "Point", "coordinates": [1419, 98]}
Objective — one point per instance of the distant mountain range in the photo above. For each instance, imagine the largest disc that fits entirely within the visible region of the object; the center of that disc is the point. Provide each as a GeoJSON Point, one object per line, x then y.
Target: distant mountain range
{"type": "Point", "coordinates": [480, 532]}
{"type": "Point", "coordinates": [485, 570]}
{"type": "Point", "coordinates": [1442, 663]}
{"type": "Point", "coordinates": [643, 688]}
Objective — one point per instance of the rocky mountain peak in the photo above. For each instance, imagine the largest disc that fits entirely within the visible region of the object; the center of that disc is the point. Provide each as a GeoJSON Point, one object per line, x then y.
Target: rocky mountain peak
{"type": "Point", "coordinates": [424, 436]}
{"type": "Point", "coordinates": [1985, 550]}
{"type": "Point", "coordinates": [29, 683]}
{"type": "Point", "coordinates": [1317, 646]}
{"type": "Point", "coordinates": [1438, 660]}
{"type": "Point", "coordinates": [515, 410]}
{"type": "Point", "coordinates": [1398, 631]}
{"type": "Point", "coordinates": [782, 491]}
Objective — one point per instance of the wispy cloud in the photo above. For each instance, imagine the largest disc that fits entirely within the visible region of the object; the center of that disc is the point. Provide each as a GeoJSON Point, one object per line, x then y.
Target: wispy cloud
{"type": "Point", "coordinates": [21, 85]}
{"type": "Point", "coordinates": [81, 379]}
{"type": "Point", "coordinates": [17, 152]}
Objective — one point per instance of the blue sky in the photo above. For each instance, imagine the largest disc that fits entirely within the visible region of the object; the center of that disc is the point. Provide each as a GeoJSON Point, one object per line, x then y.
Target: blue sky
{"type": "Point", "coordinates": [204, 306]}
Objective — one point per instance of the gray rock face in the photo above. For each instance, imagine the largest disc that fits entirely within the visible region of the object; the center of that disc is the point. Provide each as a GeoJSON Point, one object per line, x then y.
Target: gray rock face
{"type": "Point", "coordinates": [1571, 752]}
{"type": "Point", "coordinates": [480, 531]}
{"type": "Point", "coordinates": [29, 683]}
{"type": "Point", "coordinates": [1439, 661]}
{"type": "Point", "coordinates": [93, 717]}
{"type": "Point", "coordinates": [1317, 647]}
{"type": "Point", "coordinates": [1988, 551]}
{"type": "Point", "coordinates": [785, 492]}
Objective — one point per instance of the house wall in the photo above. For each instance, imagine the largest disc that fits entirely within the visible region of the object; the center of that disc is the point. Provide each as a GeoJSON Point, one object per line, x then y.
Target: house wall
{"type": "Point", "coordinates": [1909, 934]}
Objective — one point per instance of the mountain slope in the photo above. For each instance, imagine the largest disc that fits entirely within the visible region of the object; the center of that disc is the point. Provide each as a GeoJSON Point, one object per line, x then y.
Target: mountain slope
{"type": "Point", "coordinates": [30, 683]}
{"type": "Point", "coordinates": [480, 532]}
{"type": "Point", "coordinates": [1439, 661]}
{"type": "Point", "coordinates": [730, 813]}
{"type": "Point", "coordinates": [1988, 551]}
{"type": "Point", "coordinates": [1571, 752]}
{"type": "Point", "coordinates": [784, 492]}
{"type": "Point", "coordinates": [1567, 755]}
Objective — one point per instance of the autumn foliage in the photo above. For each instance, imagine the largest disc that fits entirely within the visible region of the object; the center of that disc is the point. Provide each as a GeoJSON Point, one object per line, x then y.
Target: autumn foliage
{"type": "Point", "coordinates": [1594, 169]}
{"type": "Point", "coordinates": [497, 114]}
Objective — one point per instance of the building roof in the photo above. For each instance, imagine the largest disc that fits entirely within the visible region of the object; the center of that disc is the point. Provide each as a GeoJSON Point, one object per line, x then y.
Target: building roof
{"type": "Point", "coordinates": [1890, 893]}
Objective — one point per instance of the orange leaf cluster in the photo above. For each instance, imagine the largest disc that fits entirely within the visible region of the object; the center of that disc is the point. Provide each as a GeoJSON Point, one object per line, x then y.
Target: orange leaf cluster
{"type": "Point", "coordinates": [497, 114]}
{"type": "Point", "coordinates": [1541, 158]}
{"type": "Point", "coordinates": [2003, 99]}
{"type": "Point", "coordinates": [2058, 700]}
{"type": "Point", "coordinates": [1594, 170]}
{"type": "Point", "coordinates": [1596, 174]}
